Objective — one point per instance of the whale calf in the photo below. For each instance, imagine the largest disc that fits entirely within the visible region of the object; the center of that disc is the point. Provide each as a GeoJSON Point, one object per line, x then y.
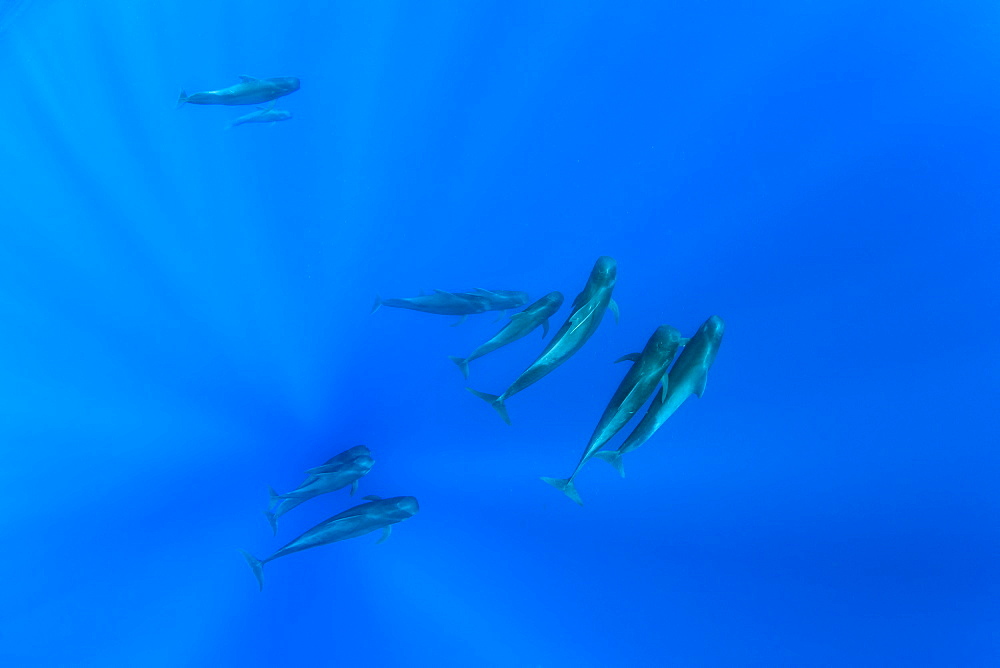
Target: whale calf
{"type": "Point", "coordinates": [457, 303]}
{"type": "Point", "coordinates": [336, 473]}
{"type": "Point", "coordinates": [378, 513]}
{"type": "Point", "coordinates": [649, 368]}
{"type": "Point", "coordinates": [248, 91]}
{"type": "Point", "coordinates": [588, 310]}
{"type": "Point", "coordinates": [688, 376]}
{"type": "Point", "coordinates": [266, 114]}
{"type": "Point", "coordinates": [520, 325]}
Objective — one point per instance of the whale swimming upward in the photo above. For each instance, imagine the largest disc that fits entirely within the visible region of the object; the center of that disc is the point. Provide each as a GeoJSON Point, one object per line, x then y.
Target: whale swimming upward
{"type": "Point", "coordinates": [649, 368]}
{"type": "Point", "coordinates": [378, 513]}
{"type": "Point", "coordinates": [687, 377]}
{"type": "Point", "coordinates": [336, 473]}
{"type": "Point", "coordinates": [248, 91]}
{"type": "Point", "coordinates": [588, 310]}
{"type": "Point", "coordinates": [520, 325]}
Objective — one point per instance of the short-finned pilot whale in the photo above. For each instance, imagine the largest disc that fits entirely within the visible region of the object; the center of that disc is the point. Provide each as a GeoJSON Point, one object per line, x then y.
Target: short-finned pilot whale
{"type": "Point", "coordinates": [248, 91]}
{"type": "Point", "coordinates": [378, 513]}
{"type": "Point", "coordinates": [588, 310]}
{"type": "Point", "coordinates": [520, 325]}
{"type": "Point", "coordinates": [336, 473]}
{"type": "Point", "coordinates": [458, 303]}
{"type": "Point", "coordinates": [266, 114]}
{"type": "Point", "coordinates": [688, 376]}
{"type": "Point", "coordinates": [649, 368]}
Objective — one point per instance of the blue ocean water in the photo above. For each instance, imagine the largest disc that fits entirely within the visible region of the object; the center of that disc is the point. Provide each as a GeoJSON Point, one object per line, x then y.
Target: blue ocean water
{"type": "Point", "coordinates": [186, 321]}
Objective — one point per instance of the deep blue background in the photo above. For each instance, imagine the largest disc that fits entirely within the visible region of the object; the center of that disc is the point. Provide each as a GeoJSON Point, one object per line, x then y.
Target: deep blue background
{"type": "Point", "coordinates": [184, 316]}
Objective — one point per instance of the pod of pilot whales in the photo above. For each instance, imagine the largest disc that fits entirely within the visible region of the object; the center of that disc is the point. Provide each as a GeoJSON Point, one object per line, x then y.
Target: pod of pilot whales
{"type": "Point", "coordinates": [650, 375]}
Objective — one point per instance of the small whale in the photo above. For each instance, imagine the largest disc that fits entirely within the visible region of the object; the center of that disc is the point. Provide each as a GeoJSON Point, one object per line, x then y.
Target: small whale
{"type": "Point", "coordinates": [687, 377]}
{"type": "Point", "coordinates": [588, 310]}
{"type": "Point", "coordinates": [520, 325]}
{"type": "Point", "coordinates": [266, 114]}
{"type": "Point", "coordinates": [378, 513]}
{"type": "Point", "coordinates": [336, 473]}
{"type": "Point", "coordinates": [649, 368]}
{"type": "Point", "coordinates": [457, 303]}
{"type": "Point", "coordinates": [248, 91]}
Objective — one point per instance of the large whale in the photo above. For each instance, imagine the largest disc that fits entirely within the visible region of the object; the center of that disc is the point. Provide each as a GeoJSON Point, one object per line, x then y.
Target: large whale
{"type": "Point", "coordinates": [649, 368]}
{"type": "Point", "coordinates": [588, 310]}
{"type": "Point", "coordinates": [520, 325]}
{"type": "Point", "coordinates": [687, 377]}
{"type": "Point", "coordinates": [266, 114]}
{"type": "Point", "coordinates": [378, 513]}
{"type": "Point", "coordinates": [248, 91]}
{"type": "Point", "coordinates": [336, 473]}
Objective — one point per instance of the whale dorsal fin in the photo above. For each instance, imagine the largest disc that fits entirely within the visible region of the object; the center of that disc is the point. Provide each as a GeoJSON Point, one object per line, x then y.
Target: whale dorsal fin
{"type": "Point", "coordinates": [631, 357]}
{"type": "Point", "coordinates": [489, 293]}
{"type": "Point", "coordinates": [245, 79]}
{"type": "Point", "coordinates": [441, 292]}
{"type": "Point", "coordinates": [268, 107]}
{"type": "Point", "coordinates": [372, 497]}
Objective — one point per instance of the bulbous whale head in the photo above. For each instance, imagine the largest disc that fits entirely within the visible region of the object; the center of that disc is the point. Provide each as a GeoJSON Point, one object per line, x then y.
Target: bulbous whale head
{"type": "Point", "coordinates": [605, 270]}
{"type": "Point", "coordinates": [406, 506]}
{"type": "Point", "coordinates": [714, 327]}
{"type": "Point", "coordinates": [362, 463]}
{"type": "Point", "coordinates": [553, 298]}
{"type": "Point", "coordinates": [287, 84]}
{"type": "Point", "coordinates": [666, 337]}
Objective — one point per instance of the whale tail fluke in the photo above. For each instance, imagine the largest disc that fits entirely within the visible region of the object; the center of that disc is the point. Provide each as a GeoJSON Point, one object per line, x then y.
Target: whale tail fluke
{"type": "Point", "coordinates": [462, 363]}
{"type": "Point", "coordinates": [181, 99]}
{"type": "Point", "coordinates": [377, 304]}
{"type": "Point", "coordinates": [257, 565]}
{"type": "Point", "coordinates": [614, 458]}
{"type": "Point", "coordinates": [566, 486]}
{"type": "Point", "coordinates": [494, 401]}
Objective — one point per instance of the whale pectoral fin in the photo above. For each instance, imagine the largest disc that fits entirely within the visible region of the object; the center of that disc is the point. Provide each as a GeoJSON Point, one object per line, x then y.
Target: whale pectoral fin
{"type": "Point", "coordinates": [385, 534]}
{"type": "Point", "coordinates": [500, 317]}
{"type": "Point", "coordinates": [245, 79]}
{"type": "Point", "coordinates": [631, 357]}
{"type": "Point", "coordinates": [460, 321]}
{"type": "Point", "coordinates": [372, 497]}
{"type": "Point", "coordinates": [699, 389]}
{"type": "Point", "coordinates": [664, 384]}
{"type": "Point", "coordinates": [545, 328]}
{"type": "Point", "coordinates": [614, 309]}
{"type": "Point", "coordinates": [354, 487]}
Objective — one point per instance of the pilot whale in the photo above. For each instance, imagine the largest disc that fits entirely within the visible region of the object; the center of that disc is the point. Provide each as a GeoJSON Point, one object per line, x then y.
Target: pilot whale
{"type": "Point", "coordinates": [266, 114]}
{"type": "Point", "coordinates": [248, 91]}
{"type": "Point", "coordinates": [687, 377]}
{"type": "Point", "coordinates": [588, 310]}
{"type": "Point", "coordinates": [336, 473]}
{"type": "Point", "coordinates": [520, 325]}
{"type": "Point", "coordinates": [378, 513]}
{"type": "Point", "coordinates": [649, 368]}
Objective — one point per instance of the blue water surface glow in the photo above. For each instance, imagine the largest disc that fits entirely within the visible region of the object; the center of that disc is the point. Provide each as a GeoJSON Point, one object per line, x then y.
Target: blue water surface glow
{"type": "Point", "coordinates": [185, 320]}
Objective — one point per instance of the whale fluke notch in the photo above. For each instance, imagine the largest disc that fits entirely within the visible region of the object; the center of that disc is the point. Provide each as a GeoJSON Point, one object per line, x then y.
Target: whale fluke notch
{"type": "Point", "coordinates": [566, 486]}
{"type": "Point", "coordinates": [614, 458]}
